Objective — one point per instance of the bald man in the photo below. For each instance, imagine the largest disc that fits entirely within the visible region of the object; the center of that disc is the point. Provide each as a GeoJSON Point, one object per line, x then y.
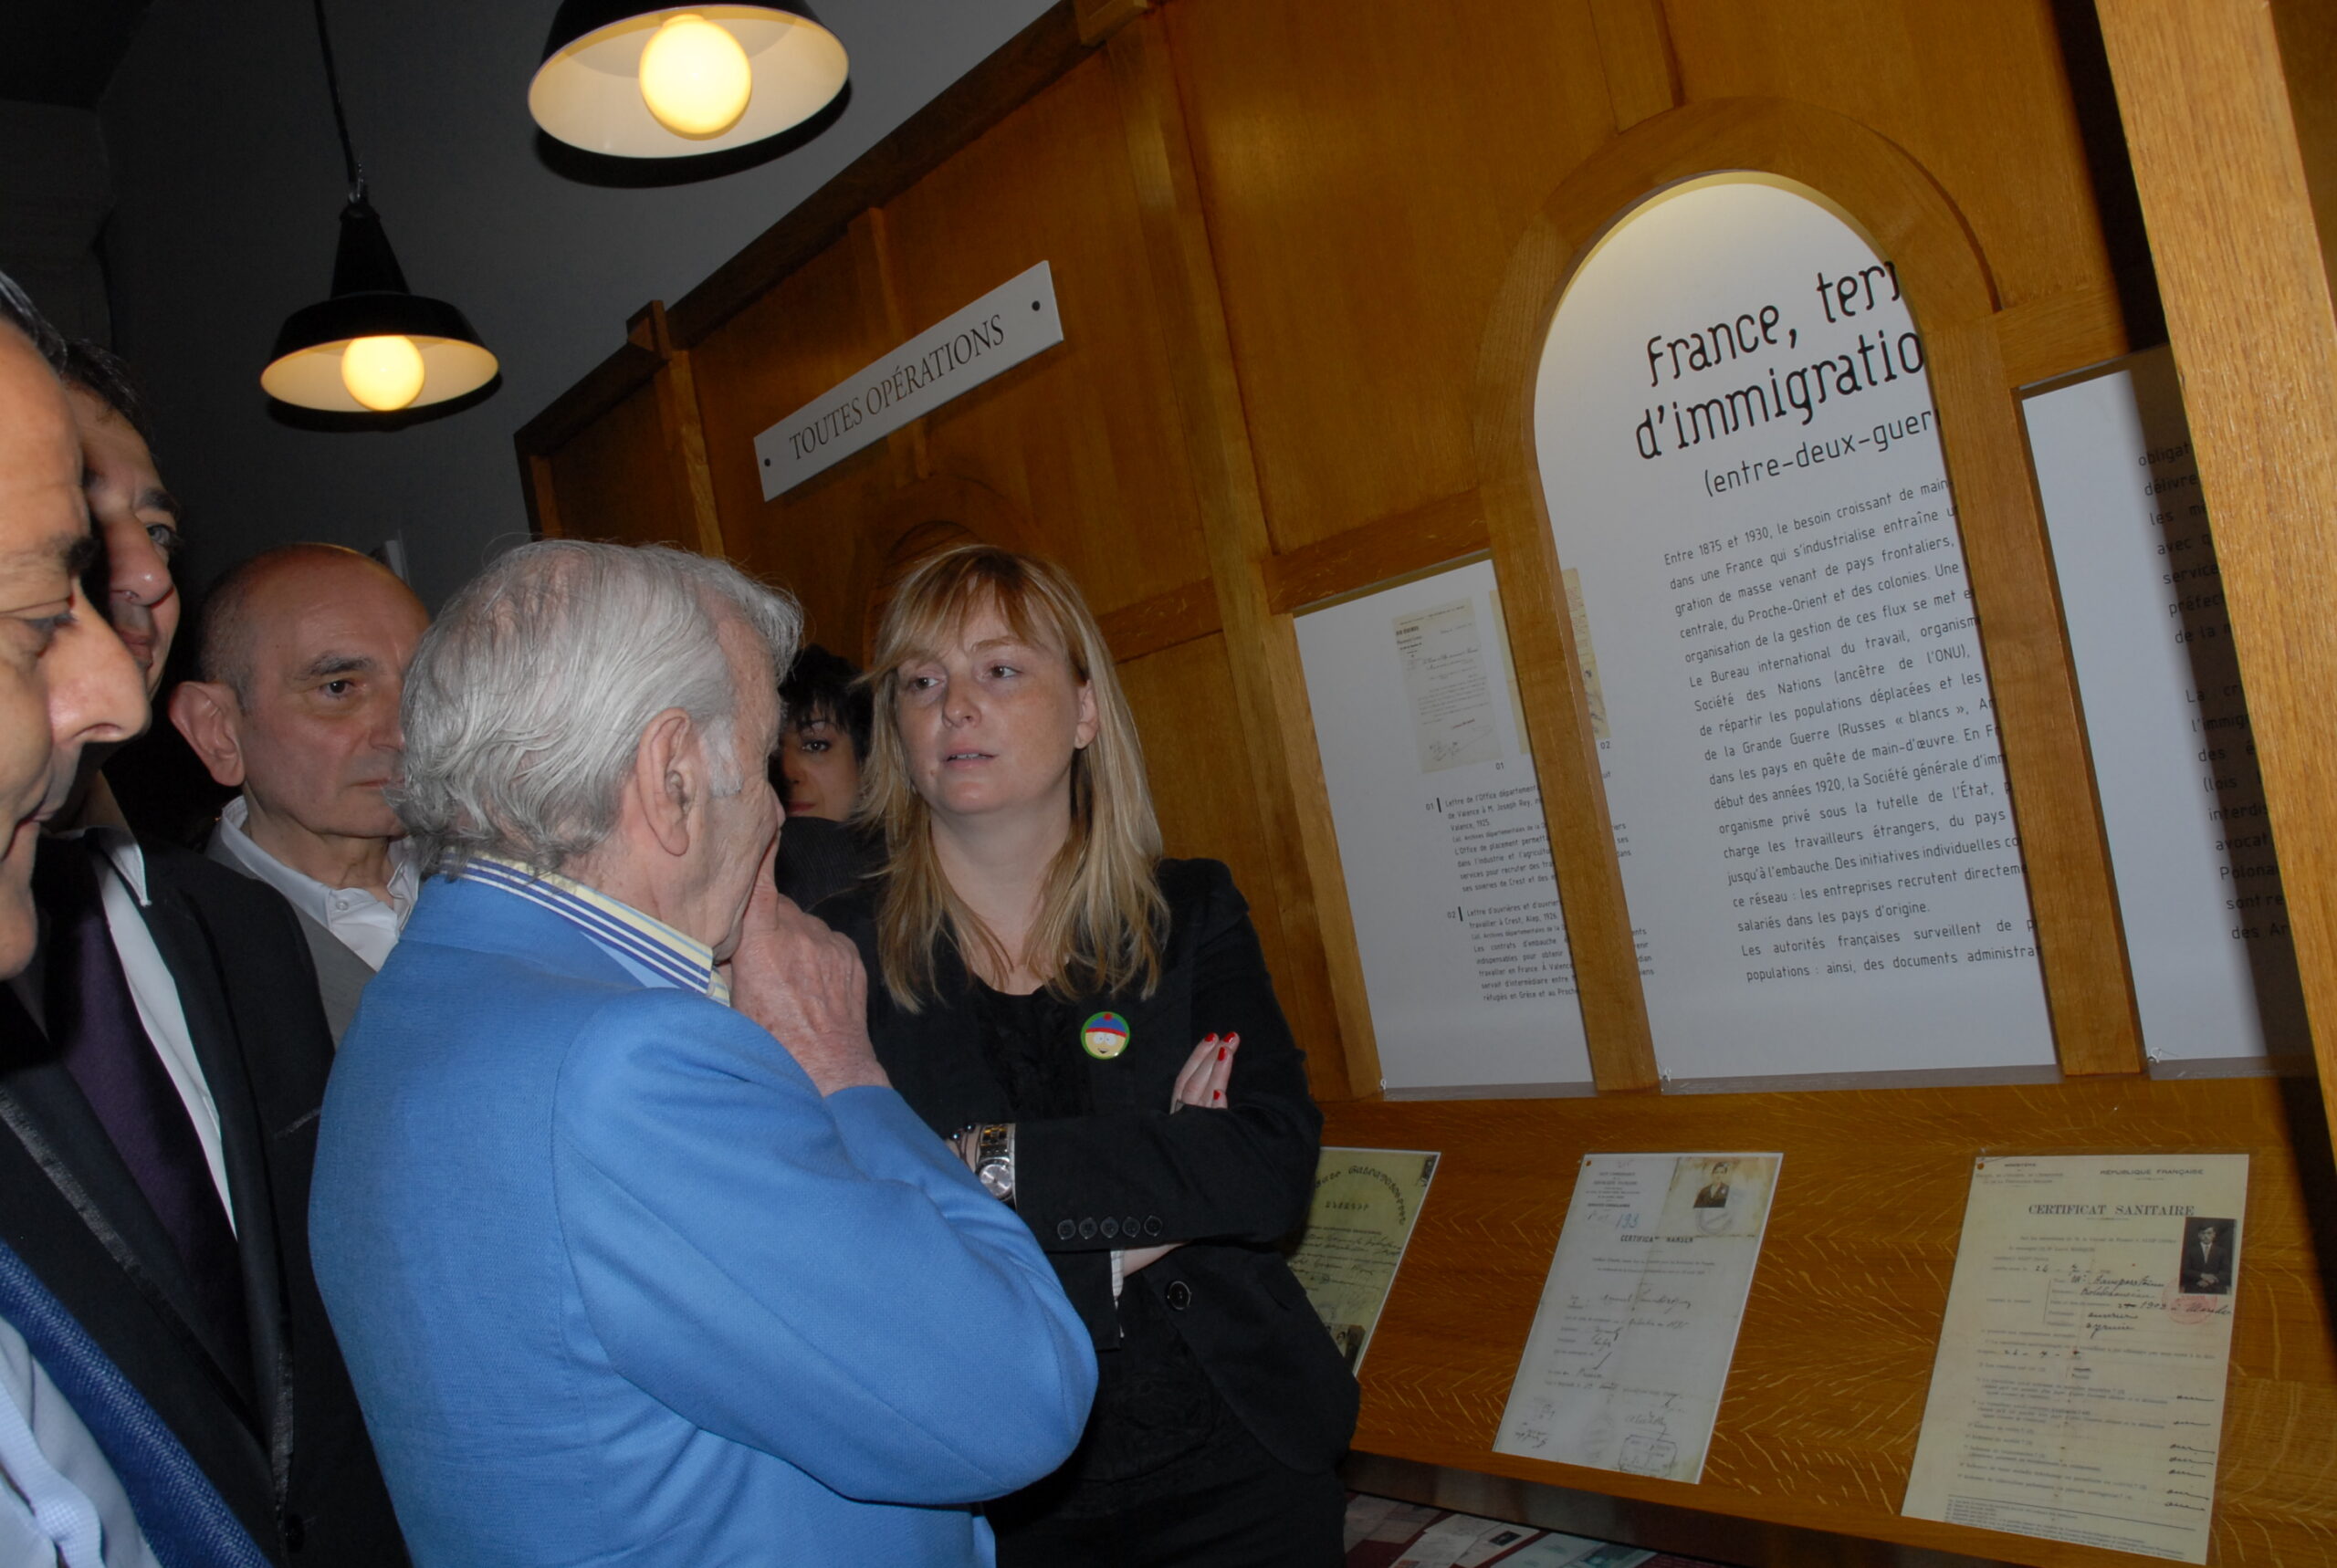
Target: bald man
{"type": "Point", "coordinates": [303, 660]}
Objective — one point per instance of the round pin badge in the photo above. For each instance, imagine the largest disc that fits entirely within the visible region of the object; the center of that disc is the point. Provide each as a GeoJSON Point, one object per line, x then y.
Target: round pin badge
{"type": "Point", "coordinates": [1104, 1036]}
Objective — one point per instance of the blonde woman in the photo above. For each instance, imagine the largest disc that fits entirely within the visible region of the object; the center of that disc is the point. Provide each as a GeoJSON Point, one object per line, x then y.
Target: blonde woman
{"type": "Point", "coordinates": [1046, 990]}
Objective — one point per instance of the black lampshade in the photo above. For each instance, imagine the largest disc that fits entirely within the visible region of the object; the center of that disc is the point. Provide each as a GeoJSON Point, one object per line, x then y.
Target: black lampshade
{"type": "Point", "coordinates": [370, 300]}
{"type": "Point", "coordinates": [588, 92]}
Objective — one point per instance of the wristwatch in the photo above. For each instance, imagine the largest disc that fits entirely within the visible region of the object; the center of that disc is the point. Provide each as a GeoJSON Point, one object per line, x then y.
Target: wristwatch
{"type": "Point", "coordinates": [994, 1160]}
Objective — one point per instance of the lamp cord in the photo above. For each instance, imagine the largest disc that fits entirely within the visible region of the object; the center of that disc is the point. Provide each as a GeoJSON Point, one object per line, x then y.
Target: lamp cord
{"type": "Point", "coordinates": [340, 115]}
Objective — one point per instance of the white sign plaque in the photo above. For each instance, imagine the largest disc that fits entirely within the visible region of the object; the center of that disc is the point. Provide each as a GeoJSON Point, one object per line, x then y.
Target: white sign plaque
{"type": "Point", "coordinates": [994, 334]}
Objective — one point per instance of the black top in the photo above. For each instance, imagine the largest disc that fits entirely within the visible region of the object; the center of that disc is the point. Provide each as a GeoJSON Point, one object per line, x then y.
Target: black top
{"type": "Point", "coordinates": [1101, 1165]}
{"type": "Point", "coordinates": [1153, 1405]}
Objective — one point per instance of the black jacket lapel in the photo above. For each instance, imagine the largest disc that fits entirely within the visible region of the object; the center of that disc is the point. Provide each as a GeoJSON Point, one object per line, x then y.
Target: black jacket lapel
{"type": "Point", "coordinates": [191, 957]}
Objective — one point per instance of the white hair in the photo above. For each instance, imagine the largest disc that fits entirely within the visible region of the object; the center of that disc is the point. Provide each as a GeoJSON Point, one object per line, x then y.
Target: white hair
{"type": "Point", "coordinates": [527, 699]}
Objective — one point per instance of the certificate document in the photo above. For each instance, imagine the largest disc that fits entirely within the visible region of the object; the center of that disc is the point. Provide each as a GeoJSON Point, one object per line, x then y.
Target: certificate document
{"type": "Point", "coordinates": [1630, 1348]}
{"type": "Point", "coordinates": [2079, 1393]}
{"type": "Point", "coordinates": [1366, 1201]}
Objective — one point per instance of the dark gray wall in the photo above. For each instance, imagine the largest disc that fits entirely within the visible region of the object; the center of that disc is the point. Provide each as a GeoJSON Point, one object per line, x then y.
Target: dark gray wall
{"type": "Point", "coordinates": [228, 181]}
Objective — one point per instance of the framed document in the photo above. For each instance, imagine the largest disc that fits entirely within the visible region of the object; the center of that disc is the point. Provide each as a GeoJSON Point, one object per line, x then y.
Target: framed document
{"type": "Point", "coordinates": [2079, 1392]}
{"type": "Point", "coordinates": [1631, 1345]}
{"type": "Point", "coordinates": [1365, 1204]}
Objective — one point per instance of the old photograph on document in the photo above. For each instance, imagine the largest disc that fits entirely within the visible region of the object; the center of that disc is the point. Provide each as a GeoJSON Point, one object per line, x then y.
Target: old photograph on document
{"type": "Point", "coordinates": [2078, 1390]}
{"type": "Point", "coordinates": [1630, 1348]}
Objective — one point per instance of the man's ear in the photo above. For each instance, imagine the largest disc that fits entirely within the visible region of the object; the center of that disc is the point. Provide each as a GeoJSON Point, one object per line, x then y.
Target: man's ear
{"type": "Point", "coordinates": [669, 779]}
{"type": "Point", "coordinates": [208, 714]}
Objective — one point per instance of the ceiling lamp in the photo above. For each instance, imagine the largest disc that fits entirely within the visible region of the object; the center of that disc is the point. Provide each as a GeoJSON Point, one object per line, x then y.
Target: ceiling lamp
{"type": "Point", "coordinates": [375, 347]}
{"type": "Point", "coordinates": [676, 80]}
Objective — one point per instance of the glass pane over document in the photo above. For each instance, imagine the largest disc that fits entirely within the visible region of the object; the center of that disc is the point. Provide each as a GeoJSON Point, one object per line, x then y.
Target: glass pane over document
{"type": "Point", "coordinates": [1441, 839]}
{"type": "Point", "coordinates": [2198, 885]}
{"type": "Point", "coordinates": [1365, 1203]}
{"type": "Point", "coordinates": [2078, 1391]}
{"type": "Point", "coordinates": [1741, 462]}
{"type": "Point", "coordinates": [1631, 1344]}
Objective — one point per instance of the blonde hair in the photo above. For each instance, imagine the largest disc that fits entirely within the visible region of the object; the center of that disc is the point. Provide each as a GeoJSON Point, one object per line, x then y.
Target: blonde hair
{"type": "Point", "coordinates": [1101, 917]}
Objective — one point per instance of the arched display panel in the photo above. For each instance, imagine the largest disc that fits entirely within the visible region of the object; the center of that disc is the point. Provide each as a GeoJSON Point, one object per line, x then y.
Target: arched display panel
{"type": "Point", "coordinates": [1741, 464]}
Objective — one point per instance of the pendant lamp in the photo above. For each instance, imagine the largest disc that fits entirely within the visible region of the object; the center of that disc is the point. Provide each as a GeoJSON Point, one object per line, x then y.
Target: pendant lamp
{"type": "Point", "coordinates": [675, 81]}
{"type": "Point", "coordinates": [375, 347]}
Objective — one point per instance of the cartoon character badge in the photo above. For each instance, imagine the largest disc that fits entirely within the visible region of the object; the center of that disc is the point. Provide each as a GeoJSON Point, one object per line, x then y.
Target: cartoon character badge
{"type": "Point", "coordinates": [1104, 1036]}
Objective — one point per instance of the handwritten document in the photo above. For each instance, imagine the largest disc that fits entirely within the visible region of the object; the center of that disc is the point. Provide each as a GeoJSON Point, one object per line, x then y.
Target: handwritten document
{"type": "Point", "coordinates": [1365, 1202]}
{"type": "Point", "coordinates": [1443, 657]}
{"type": "Point", "coordinates": [1630, 1348]}
{"type": "Point", "coordinates": [2079, 1393]}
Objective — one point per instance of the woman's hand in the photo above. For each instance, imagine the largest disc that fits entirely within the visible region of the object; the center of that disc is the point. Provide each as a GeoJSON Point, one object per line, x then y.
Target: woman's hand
{"type": "Point", "coordinates": [1201, 1084]}
{"type": "Point", "coordinates": [1206, 1073]}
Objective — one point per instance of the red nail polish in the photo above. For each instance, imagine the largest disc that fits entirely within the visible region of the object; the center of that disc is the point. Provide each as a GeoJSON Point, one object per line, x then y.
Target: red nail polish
{"type": "Point", "coordinates": [1232, 1039]}
{"type": "Point", "coordinates": [1220, 1053]}
{"type": "Point", "coordinates": [1218, 1095]}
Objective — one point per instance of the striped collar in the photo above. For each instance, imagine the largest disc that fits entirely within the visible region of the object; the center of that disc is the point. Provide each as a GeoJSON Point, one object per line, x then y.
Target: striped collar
{"type": "Point", "coordinates": [651, 948]}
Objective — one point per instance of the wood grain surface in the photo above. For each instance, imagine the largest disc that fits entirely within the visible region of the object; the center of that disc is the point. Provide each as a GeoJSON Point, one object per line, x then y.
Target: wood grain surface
{"type": "Point", "coordinates": [2233, 200]}
{"type": "Point", "coordinates": [1826, 1396]}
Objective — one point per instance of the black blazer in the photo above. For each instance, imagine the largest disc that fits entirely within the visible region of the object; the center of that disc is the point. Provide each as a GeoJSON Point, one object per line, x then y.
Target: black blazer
{"type": "Point", "coordinates": [287, 1450]}
{"type": "Point", "coordinates": [1230, 1183]}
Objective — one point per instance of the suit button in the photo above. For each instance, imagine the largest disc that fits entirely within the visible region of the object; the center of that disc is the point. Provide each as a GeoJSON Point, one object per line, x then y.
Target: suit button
{"type": "Point", "coordinates": [1180, 1295]}
{"type": "Point", "coordinates": [1151, 1225]}
{"type": "Point", "coordinates": [1087, 1230]}
{"type": "Point", "coordinates": [1111, 1229]}
{"type": "Point", "coordinates": [1065, 1230]}
{"type": "Point", "coordinates": [1127, 1228]}
{"type": "Point", "coordinates": [296, 1533]}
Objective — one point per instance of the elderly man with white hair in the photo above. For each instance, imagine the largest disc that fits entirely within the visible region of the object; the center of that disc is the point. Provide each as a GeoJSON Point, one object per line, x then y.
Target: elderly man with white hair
{"type": "Point", "coordinates": [634, 1255]}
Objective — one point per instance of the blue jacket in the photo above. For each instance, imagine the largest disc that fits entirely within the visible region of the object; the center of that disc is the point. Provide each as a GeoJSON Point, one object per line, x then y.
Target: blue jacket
{"type": "Point", "coordinates": [617, 1286]}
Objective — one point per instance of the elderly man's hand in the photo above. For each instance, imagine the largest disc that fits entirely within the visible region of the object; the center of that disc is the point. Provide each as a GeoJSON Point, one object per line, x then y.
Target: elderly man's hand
{"type": "Point", "coordinates": [802, 982]}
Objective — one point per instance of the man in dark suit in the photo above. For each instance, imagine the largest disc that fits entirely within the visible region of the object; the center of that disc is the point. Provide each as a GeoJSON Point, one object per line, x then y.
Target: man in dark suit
{"type": "Point", "coordinates": [161, 1061]}
{"type": "Point", "coordinates": [2207, 1258]}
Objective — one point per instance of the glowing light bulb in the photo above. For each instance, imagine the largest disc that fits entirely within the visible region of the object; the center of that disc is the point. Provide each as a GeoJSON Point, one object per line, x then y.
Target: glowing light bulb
{"type": "Point", "coordinates": [695, 77]}
{"type": "Point", "coordinates": [383, 374]}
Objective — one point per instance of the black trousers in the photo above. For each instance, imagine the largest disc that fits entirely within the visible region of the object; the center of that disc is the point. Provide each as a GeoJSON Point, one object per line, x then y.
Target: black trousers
{"type": "Point", "coordinates": [1270, 1517]}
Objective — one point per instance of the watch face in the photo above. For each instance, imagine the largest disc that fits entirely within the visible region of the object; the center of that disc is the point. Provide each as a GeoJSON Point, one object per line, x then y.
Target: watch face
{"type": "Point", "coordinates": [997, 1178]}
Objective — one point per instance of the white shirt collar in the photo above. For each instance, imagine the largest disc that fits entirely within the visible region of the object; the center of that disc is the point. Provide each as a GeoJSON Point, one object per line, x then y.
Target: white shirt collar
{"type": "Point", "coordinates": [362, 923]}
{"type": "Point", "coordinates": [119, 846]}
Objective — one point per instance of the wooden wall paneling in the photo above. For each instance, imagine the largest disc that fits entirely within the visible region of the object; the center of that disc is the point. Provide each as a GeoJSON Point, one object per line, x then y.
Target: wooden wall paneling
{"type": "Point", "coordinates": [1083, 440]}
{"type": "Point", "coordinates": [1196, 757]}
{"type": "Point", "coordinates": [880, 295]}
{"type": "Point", "coordinates": [543, 501]}
{"type": "Point", "coordinates": [1099, 19]}
{"type": "Point", "coordinates": [1366, 167]}
{"type": "Point", "coordinates": [1976, 92]}
{"type": "Point", "coordinates": [2060, 333]}
{"type": "Point", "coordinates": [1948, 287]}
{"type": "Point", "coordinates": [1445, 529]}
{"type": "Point", "coordinates": [1635, 51]}
{"type": "Point", "coordinates": [1825, 1395]}
{"type": "Point", "coordinates": [807, 333]}
{"type": "Point", "coordinates": [959, 115]}
{"type": "Point", "coordinates": [2049, 760]}
{"type": "Point", "coordinates": [2231, 198]}
{"type": "Point", "coordinates": [614, 479]}
{"type": "Point", "coordinates": [677, 414]}
{"type": "Point", "coordinates": [1322, 992]}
